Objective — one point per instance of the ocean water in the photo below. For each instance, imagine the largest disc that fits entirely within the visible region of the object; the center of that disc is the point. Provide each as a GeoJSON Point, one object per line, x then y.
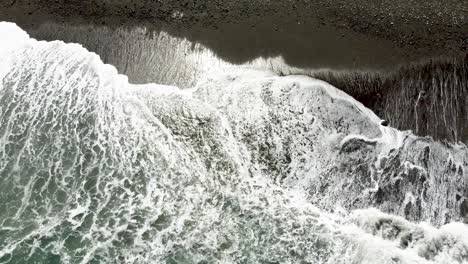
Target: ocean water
{"type": "Point", "coordinates": [245, 167]}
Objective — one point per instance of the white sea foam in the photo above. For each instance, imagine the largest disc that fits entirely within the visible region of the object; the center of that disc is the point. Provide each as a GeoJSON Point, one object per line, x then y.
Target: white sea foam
{"type": "Point", "coordinates": [246, 167]}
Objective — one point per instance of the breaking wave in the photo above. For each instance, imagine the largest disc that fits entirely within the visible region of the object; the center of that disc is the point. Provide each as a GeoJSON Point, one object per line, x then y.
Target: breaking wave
{"type": "Point", "coordinates": [246, 167]}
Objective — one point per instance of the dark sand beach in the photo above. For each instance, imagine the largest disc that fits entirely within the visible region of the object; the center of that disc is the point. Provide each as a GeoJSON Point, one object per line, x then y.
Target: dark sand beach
{"type": "Point", "coordinates": [338, 34]}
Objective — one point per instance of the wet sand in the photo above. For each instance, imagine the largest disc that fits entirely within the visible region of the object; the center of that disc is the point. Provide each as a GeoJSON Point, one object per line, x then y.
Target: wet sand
{"type": "Point", "coordinates": [314, 34]}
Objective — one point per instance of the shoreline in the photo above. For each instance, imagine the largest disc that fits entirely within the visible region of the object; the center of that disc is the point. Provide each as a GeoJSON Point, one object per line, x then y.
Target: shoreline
{"type": "Point", "coordinates": [339, 36]}
{"type": "Point", "coordinates": [373, 69]}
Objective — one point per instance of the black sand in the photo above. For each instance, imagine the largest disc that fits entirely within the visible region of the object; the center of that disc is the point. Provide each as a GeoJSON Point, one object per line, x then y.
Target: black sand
{"type": "Point", "coordinates": [322, 33]}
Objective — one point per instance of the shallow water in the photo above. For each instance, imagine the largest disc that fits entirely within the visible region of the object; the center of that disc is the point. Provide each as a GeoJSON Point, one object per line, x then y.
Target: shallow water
{"type": "Point", "coordinates": [244, 166]}
{"type": "Point", "coordinates": [426, 97]}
